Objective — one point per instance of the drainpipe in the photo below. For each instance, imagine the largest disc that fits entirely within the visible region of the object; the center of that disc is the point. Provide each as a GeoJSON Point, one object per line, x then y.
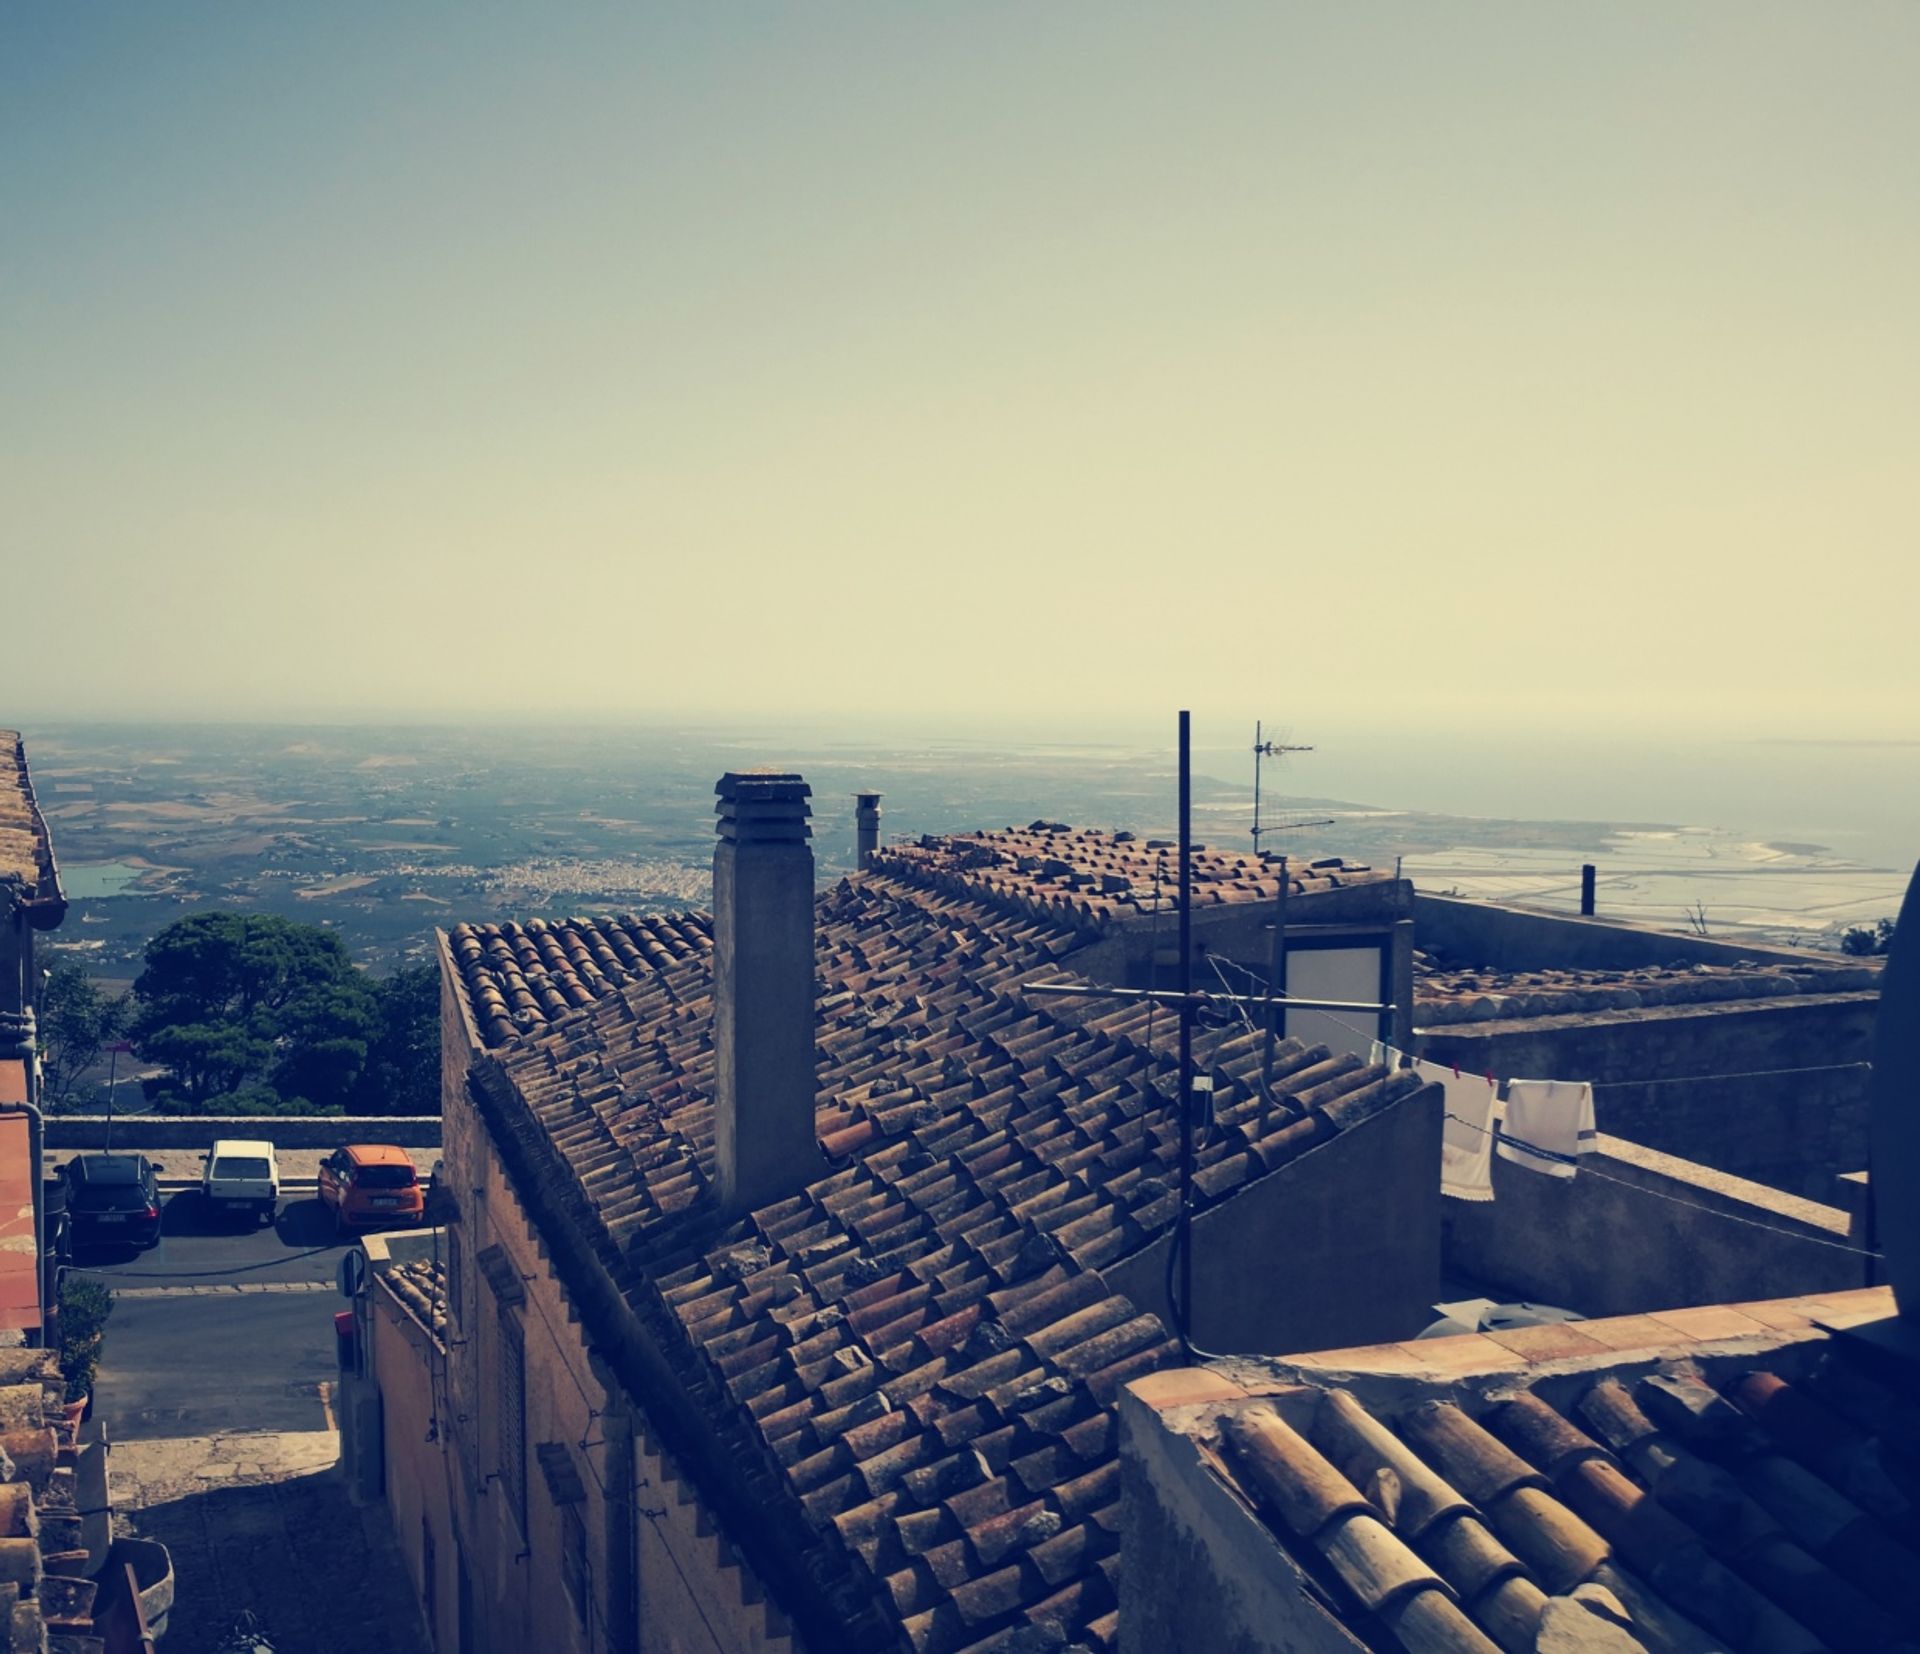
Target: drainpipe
{"type": "Point", "coordinates": [17, 1040]}
{"type": "Point", "coordinates": [36, 1154]}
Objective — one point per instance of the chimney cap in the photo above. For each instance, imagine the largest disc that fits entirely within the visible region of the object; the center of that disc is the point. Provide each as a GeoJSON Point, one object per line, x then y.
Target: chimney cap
{"type": "Point", "coordinates": [763, 807]}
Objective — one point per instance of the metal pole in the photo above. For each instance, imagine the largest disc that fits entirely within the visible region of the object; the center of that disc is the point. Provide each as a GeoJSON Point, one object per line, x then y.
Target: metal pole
{"type": "Point", "coordinates": [1185, 1316]}
{"type": "Point", "coordinates": [1276, 964]}
{"type": "Point", "coordinates": [113, 1075]}
{"type": "Point", "coordinates": [1256, 783]}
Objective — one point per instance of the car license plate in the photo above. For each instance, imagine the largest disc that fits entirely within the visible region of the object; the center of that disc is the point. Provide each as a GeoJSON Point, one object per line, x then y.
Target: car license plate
{"type": "Point", "coordinates": [113, 1217]}
{"type": "Point", "coordinates": [386, 1200]}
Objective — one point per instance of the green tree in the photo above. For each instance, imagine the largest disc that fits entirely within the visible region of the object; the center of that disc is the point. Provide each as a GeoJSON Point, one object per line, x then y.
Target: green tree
{"type": "Point", "coordinates": [402, 1075]}
{"type": "Point", "coordinates": [77, 1022]}
{"type": "Point", "coordinates": [1869, 940]}
{"type": "Point", "coordinates": [237, 1007]}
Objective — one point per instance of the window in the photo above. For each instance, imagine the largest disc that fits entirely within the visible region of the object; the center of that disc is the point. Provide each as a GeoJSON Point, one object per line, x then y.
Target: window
{"type": "Point", "coordinates": [385, 1177]}
{"type": "Point", "coordinates": [573, 1561]}
{"type": "Point", "coordinates": [561, 1472]}
{"type": "Point", "coordinates": [513, 1417]}
{"type": "Point", "coordinates": [242, 1165]}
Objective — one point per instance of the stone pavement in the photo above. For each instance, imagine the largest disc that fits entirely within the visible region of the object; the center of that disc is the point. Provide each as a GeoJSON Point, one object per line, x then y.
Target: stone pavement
{"type": "Point", "coordinates": [260, 1522]}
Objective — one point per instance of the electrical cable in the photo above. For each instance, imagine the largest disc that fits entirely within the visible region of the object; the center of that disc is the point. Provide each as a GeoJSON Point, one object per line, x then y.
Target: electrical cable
{"type": "Point", "coordinates": [1182, 1314]}
{"type": "Point", "coordinates": [1676, 1200]}
{"type": "Point", "coordinates": [1744, 1074]}
{"type": "Point", "coordinates": [1583, 1170]}
{"type": "Point", "coordinates": [194, 1274]}
{"type": "Point", "coordinates": [693, 1596]}
{"type": "Point", "coordinates": [1598, 1085]}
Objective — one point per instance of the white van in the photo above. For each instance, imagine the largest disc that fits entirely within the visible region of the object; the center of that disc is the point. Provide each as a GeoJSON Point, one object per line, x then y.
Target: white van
{"type": "Point", "coordinates": [242, 1173]}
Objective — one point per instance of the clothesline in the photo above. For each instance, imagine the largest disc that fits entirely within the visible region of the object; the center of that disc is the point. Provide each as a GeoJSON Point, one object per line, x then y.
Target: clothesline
{"type": "Point", "coordinates": [1598, 1085]}
{"type": "Point", "coordinates": [1742, 1074]}
{"type": "Point", "coordinates": [1676, 1200]}
{"type": "Point", "coordinates": [1575, 1161]}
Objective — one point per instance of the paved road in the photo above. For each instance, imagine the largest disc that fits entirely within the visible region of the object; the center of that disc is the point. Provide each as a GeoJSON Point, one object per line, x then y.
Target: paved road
{"type": "Point", "coordinates": [223, 1326]}
{"type": "Point", "coordinates": [197, 1247]}
{"type": "Point", "coordinates": [216, 1384]}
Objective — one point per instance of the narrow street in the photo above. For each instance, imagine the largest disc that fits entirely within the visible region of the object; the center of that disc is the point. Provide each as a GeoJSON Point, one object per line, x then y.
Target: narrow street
{"type": "Point", "coordinates": [216, 1388]}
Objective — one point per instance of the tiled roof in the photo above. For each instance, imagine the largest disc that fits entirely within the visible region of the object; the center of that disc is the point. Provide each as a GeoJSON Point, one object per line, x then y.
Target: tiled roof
{"type": "Point", "coordinates": [39, 1505]}
{"type": "Point", "coordinates": [26, 851]}
{"type": "Point", "coordinates": [917, 1350]}
{"type": "Point", "coordinates": [420, 1286]}
{"type": "Point", "coordinates": [1088, 879]}
{"type": "Point", "coordinates": [1074, 883]}
{"type": "Point", "coordinates": [1757, 1490]}
{"type": "Point", "coordinates": [522, 976]}
{"type": "Point", "coordinates": [1449, 993]}
{"type": "Point", "coordinates": [920, 1029]}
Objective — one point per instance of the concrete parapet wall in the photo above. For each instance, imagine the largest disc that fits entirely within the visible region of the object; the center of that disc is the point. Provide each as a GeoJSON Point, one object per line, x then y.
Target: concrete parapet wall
{"type": "Point", "coordinates": [1337, 1247]}
{"type": "Point", "coordinates": [284, 1131]}
{"type": "Point", "coordinates": [1651, 1232]}
{"type": "Point", "coordinates": [1791, 1110]}
{"type": "Point", "coordinates": [1520, 939]}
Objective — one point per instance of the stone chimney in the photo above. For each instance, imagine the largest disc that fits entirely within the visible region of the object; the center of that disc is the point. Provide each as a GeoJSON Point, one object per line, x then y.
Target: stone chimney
{"type": "Point", "coordinates": [763, 1135]}
{"type": "Point", "coordinates": [866, 827]}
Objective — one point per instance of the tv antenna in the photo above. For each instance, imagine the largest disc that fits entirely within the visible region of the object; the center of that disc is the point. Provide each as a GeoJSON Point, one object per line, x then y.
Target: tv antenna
{"type": "Point", "coordinates": [1272, 749]}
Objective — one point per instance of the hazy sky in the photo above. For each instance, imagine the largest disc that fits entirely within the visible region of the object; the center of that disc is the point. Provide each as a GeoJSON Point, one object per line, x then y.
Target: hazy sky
{"type": "Point", "coordinates": [1511, 363]}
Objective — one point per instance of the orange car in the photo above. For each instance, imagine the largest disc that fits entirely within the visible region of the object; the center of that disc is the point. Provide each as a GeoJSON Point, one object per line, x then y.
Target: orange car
{"type": "Point", "coordinates": [371, 1186]}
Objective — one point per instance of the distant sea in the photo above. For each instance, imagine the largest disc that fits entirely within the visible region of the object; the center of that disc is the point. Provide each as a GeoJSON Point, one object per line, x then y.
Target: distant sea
{"type": "Point", "coordinates": [1860, 800]}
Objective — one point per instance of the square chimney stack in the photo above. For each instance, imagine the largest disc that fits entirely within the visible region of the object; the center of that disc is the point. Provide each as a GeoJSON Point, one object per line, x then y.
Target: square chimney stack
{"type": "Point", "coordinates": [866, 827]}
{"type": "Point", "coordinates": [765, 1144]}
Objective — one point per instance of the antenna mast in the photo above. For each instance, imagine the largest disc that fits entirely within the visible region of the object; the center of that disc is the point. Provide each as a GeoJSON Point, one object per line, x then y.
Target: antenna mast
{"type": "Point", "coordinates": [1272, 749]}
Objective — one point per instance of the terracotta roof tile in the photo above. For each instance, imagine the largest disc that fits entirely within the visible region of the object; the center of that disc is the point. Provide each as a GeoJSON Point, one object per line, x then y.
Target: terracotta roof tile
{"type": "Point", "coordinates": [26, 848]}
{"type": "Point", "coordinates": [1447, 993]}
{"type": "Point", "coordinates": [1773, 1510]}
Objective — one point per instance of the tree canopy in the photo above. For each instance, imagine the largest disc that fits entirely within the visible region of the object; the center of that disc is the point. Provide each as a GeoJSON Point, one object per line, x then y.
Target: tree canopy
{"type": "Point", "coordinates": [78, 1020]}
{"type": "Point", "coordinates": [1869, 939]}
{"type": "Point", "coordinates": [253, 1013]}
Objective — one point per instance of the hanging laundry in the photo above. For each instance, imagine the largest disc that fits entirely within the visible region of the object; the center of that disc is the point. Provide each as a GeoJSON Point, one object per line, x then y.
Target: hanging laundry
{"type": "Point", "coordinates": [1466, 1139]}
{"type": "Point", "coordinates": [1555, 1115]}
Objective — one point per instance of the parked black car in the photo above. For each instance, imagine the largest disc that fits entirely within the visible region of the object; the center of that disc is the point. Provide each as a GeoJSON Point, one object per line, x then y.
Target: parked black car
{"type": "Point", "coordinates": [112, 1199]}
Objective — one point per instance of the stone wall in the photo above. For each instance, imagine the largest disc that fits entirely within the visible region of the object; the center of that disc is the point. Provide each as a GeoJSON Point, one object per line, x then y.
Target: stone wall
{"type": "Point", "coordinates": [405, 1363]}
{"type": "Point", "coordinates": [1794, 1114]}
{"type": "Point", "coordinates": [1651, 1232]}
{"type": "Point", "coordinates": [284, 1131]}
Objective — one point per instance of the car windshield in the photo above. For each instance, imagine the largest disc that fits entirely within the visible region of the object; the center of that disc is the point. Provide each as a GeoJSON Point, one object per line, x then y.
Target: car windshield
{"type": "Point", "coordinates": [241, 1165]}
{"type": "Point", "coordinates": [385, 1177]}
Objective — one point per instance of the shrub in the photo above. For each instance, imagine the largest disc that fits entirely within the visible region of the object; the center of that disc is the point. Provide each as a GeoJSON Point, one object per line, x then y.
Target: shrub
{"type": "Point", "coordinates": [84, 1307]}
{"type": "Point", "coordinates": [1869, 939]}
